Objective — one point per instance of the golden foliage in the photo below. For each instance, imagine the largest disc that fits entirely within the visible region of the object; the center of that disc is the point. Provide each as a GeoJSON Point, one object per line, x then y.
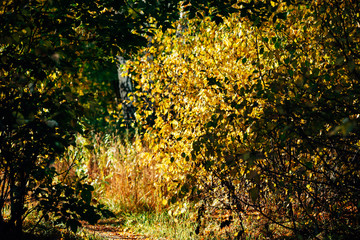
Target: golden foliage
{"type": "Point", "coordinates": [257, 117]}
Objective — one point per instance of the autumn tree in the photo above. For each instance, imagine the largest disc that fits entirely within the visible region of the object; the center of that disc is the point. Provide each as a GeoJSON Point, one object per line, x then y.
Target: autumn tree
{"type": "Point", "coordinates": [52, 52]}
{"type": "Point", "coordinates": [258, 115]}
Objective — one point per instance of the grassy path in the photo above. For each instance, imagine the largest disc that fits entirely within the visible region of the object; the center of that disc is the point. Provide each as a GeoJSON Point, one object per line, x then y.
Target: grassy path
{"type": "Point", "coordinates": [104, 232]}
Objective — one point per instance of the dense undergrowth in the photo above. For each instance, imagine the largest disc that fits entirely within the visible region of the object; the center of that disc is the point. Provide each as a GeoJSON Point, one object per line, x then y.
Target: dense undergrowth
{"type": "Point", "coordinates": [128, 184]}
{"type": "Point", "coordinates": [249, 122]}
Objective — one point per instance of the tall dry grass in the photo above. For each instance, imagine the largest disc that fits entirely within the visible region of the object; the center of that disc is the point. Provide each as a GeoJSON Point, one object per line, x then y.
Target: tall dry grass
{"type": "Point", "coordinates": [119, 169]}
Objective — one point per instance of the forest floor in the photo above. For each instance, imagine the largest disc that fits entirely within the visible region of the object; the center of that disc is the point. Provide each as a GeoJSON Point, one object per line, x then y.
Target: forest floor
{"type": "Point", "coordinates": [100, 231]}
{"type": "Point", "coordinates": [112, 232]}
{"type": "Point", "coordinates": [106, 231]}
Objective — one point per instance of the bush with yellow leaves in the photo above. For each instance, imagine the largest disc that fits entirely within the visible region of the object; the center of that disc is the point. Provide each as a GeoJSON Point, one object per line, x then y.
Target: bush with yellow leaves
{"type": "Point", "coordinates": [259, 117]}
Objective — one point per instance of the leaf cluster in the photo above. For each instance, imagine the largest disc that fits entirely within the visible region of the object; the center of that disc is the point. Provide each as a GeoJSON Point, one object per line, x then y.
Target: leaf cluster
{"type": "Point", "coordinates": [258, 115]}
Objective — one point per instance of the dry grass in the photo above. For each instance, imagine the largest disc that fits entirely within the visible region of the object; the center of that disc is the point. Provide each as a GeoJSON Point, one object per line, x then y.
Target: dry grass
{"type": "Point", "coordinates": [126, 180]}
{"type": "Point", "coordinates": [119, 170]}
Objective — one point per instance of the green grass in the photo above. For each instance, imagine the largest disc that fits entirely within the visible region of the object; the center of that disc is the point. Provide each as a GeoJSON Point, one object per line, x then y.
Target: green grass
{"type": "Point", "coordinates": [161, 225]}
{"type": "Point", "coordinates": [151, 223]}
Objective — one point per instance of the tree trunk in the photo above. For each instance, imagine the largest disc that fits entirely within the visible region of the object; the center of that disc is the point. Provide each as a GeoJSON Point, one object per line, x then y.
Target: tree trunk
{"type": "Point", "coordinates": [125, 87]}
